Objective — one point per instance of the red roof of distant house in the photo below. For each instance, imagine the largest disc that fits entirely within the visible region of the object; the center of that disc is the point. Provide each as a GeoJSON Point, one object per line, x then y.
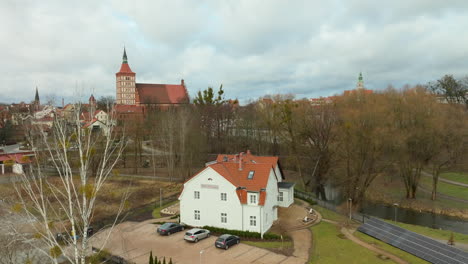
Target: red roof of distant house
{"type": "Point", "coordinates": [16, 157]}
{"type": "Point", "coordinates": [161, 93]}
{"type": "Point", "coordinates": [125, 68]}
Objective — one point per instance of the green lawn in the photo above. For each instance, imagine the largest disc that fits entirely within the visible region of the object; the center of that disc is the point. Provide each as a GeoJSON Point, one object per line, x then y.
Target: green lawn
{"type": "Point", "coordinates": [455, 176]}
{"type": "Point", "coordinates": [157, 211]}
{"type": "Point", "coordinates": [446, 188]}
{"type": "Point", "coordinates": [395, 251]}
{"type": "Point", "coordinates": [330, 215]}
{"type": "Point", "coordinates": [434, 233]}
{"type": "Point", "coordinates": [330, 248]}
{"type": "Point", "coordinates": [269, 244]}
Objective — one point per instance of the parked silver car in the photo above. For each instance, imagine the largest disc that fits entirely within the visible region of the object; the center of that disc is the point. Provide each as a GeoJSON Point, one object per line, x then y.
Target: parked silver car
{"type": "Point", "coordinates": [196, 234]}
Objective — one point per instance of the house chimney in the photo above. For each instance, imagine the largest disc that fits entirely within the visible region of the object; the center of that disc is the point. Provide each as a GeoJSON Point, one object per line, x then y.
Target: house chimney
{"type": "Point", "coordinates": [248, 152]}
{"type": "Point", "coordinates": [182, 82]}
{"type": "Point", "coordinates": [240, 160]}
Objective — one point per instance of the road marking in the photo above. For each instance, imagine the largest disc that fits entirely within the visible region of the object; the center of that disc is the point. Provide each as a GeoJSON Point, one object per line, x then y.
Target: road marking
{"type": "Point", "coordinates": [285, 258]}
{"type": "Point", "coordinates": [252, 248]}
{"type": "Point", "coordinates": [259, 257]}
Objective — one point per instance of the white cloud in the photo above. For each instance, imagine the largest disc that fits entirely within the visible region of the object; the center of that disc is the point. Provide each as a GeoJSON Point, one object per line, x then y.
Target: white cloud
{"type": "Point", "coordinates": [311, 48]}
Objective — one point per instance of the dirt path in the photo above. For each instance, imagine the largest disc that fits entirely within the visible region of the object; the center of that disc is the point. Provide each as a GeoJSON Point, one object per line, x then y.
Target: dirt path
{"type": "Point", "coordinates": [349, 235]}
{"type": "Point", "coordinates": [445, 180]}
{"type": "Point", "coordinates": [356, 240]}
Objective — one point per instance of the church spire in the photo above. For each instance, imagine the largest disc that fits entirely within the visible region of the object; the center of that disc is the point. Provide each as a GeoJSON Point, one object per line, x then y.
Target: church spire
{"type": "Point", "coordinates": [124, 58]}
{"type": "Point", "coordinates": [36, 98]}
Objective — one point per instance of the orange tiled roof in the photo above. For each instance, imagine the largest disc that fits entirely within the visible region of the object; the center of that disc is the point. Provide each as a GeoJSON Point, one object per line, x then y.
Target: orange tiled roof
{"type": "Point", "coordinates": [230, 170]}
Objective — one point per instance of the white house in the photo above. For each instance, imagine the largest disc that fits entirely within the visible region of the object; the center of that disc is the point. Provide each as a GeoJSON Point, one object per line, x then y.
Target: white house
{"type": "Point", "coordinates": [239, 192]}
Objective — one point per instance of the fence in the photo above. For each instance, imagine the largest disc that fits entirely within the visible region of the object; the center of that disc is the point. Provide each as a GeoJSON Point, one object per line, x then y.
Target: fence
{"type": "Point", "coordinates": [328, 205]}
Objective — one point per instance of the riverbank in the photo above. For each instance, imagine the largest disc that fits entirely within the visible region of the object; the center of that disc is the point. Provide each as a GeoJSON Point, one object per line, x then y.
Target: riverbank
{"type": "Point", "coordinates": [388, 192]}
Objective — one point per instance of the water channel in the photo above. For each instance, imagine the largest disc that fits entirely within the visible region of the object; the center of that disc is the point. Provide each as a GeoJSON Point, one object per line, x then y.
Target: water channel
{"type": "Point", "coordinates": [403, 215]}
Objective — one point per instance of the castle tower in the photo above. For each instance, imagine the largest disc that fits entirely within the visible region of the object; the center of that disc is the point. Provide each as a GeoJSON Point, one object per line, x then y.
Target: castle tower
{"type": "Point", "coordinates": [360, 83]}
{"type": "Point", "coordinates": [92, 101]}
{"type": "Point", "coordinates": [125, 83]}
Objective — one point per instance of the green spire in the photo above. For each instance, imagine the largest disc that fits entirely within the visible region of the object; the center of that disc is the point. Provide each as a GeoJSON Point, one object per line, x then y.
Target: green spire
{"type": "Point", "coordinates": [360, 77]}
{"type": "Point", "coordinates": [124, 59]}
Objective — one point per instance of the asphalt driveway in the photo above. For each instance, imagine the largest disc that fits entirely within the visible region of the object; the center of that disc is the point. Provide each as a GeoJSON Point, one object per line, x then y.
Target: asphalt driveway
{"type": "Point", "coordinates": [134, 241]}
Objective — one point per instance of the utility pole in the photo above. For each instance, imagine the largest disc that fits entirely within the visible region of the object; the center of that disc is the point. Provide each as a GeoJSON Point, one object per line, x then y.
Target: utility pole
{"type": "Point", "coordinates": [396, 207]}
{"type": "Point", "coordinates": [350, 207]}
{"type": "Point", "coordinates": [160, 197]}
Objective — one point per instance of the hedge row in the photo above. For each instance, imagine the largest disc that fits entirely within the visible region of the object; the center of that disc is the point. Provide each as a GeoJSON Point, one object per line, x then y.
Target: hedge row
{"type": "Point", "coordinates": [243, 234]}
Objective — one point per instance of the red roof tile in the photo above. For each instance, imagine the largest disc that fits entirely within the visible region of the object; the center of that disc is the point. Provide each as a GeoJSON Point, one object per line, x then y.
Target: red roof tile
{"type": "Point", "coordinates": [161, 93]}
{"type": "Point", "coordinates": [125, 69]}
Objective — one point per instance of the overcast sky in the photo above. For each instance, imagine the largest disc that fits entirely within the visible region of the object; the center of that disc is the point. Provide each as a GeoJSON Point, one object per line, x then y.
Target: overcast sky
{"type": "Point", "coordinates": [310, 48]}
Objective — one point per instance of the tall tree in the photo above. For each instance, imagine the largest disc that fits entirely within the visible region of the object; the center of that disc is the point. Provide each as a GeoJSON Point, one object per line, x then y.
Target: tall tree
{"type": "Point", "coordinates": [73, 194]}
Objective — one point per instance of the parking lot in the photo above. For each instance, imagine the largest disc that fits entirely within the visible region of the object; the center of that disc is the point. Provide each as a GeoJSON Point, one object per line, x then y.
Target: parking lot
{"type": "Point", "coordinates": [134, 241]}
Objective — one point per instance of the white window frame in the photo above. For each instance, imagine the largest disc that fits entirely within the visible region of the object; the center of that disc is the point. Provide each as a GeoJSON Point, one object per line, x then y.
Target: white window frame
{"type": "Point", "coordinates": [223, 196]}
{"type": "Point", "coordinates": [280, 196]}
{"type": "Point", "coordinates": [224, 218]}
{"type": "Point", "coordinates": [253, 198]}
{"type": "Point", "coordinates": [196, 214]}
{"type": "Point", "coordinates": [196, 195]}
{"type": "Point", "coordinates": [253, 220]}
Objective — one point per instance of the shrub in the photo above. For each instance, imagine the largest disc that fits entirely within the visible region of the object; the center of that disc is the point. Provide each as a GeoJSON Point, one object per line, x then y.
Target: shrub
{"type": "Point", "coordinates": [244, 234]}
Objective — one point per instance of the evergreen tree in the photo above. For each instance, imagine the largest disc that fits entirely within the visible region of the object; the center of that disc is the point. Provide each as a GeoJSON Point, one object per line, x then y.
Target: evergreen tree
{"type": "Point", "coordinates": [170, 261]}
{"type": "Point", "coordinates": [156, 260]}
{"type": "Point", "coordinates": [151, 258]}
{"type": "Point", "coordinates": [164, 260]}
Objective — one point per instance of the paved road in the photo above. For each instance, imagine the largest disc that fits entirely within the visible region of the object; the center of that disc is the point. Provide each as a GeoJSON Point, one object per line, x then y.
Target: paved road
{"type": "Point", "coordinates": [134, 241]}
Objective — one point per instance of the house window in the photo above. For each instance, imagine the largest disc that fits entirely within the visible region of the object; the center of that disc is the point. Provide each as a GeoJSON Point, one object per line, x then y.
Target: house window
{"type": "Point", "coordinates": [223, 218]}
{"type": "Point", "coordinates": [196, 195]}
{"type": "Point", "coordinates": [251, 174]}
{"type": "Point", "coordinates": [197, 215]}
{"type": "Point", "coordinates": [253, 199]}
{"type": "Point", "coordinates": [253, 220]}
{"type": "Point", "coordinates": [280, 196]}
{"type": "Point", "coordinates": [223, 196]}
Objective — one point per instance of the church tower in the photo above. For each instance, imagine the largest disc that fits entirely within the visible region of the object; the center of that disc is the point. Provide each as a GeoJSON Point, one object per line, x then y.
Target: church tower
{"type": "Point", "coordinates": [36, 102]}
{"type": "Point", "coordinates": [360, 83]}
{"type": "Point", "coordinates": [125, 83]}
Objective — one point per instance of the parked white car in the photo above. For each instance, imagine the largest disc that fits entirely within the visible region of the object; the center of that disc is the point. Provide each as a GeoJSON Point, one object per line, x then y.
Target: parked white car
{"type": "Point", "coordinates": [196, 234]}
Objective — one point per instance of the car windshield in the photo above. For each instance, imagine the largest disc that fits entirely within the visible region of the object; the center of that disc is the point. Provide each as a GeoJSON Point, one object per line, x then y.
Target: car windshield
{"type": "Point", "coordinates": [188, 234]}
{"type": "Point", "coordinates": [220, 239]}
{"type": "Point", "coordinates": [166, 225]}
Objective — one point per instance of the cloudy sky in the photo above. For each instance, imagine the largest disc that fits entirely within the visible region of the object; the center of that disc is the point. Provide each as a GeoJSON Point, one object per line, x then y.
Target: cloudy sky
{"type": "Point", "coordinates": [310, 48]}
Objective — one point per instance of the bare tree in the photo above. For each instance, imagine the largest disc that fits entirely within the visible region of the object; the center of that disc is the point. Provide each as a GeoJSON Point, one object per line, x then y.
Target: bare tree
{"type": "Point", "coordinates": [67, 202]}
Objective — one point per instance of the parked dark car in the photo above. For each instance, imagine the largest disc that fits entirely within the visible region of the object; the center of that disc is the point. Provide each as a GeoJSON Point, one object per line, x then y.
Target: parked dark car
{"type": "Point", "coordinates": [170, 228]}
{"type": "Point", "coordinates": [226, 240]}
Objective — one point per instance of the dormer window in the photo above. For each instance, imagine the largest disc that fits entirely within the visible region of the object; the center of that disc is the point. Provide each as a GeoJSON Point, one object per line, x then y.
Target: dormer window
{"type": "Point", "coordinates": [251, 175]}
{"type": "Point", "coordinates": [253, 199]}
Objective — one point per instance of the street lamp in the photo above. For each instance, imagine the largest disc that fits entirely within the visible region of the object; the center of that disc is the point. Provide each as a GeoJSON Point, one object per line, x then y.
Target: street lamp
{"type": "Point", "coordinates": [350, 207]}
{"type": "Point", "coordinates": [201, 252]}
{"type": "Point", "coordinates": [396, 206]}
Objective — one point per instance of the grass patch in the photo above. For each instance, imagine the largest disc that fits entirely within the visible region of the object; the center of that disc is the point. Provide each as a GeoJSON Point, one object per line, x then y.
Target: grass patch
{"type": "Point", "coordinates": [455, 176]}
{"type": "Point", "coordinates": [270, 244]}
{"type": "Point", "coordinates": [433, 233]}
{"type": "Point", "coordinates": [157, 210]}
{"type": "Point", "coordinates": [446, 188]}
{"type": "Point", "coordinates": [328, 248]}
{"type": "Point", "coordinates": [330, 215]}
{"type": "Point", "coordinates": [395, 251]}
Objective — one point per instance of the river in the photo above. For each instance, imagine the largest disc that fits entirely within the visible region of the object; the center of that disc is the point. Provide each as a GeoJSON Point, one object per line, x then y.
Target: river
{"type": "Point", "coordinates": [407, 216]}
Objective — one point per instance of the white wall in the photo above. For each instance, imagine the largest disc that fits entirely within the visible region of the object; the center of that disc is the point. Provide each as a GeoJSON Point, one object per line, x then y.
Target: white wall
{"type": "Point", "coordinates": [210, 204]}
